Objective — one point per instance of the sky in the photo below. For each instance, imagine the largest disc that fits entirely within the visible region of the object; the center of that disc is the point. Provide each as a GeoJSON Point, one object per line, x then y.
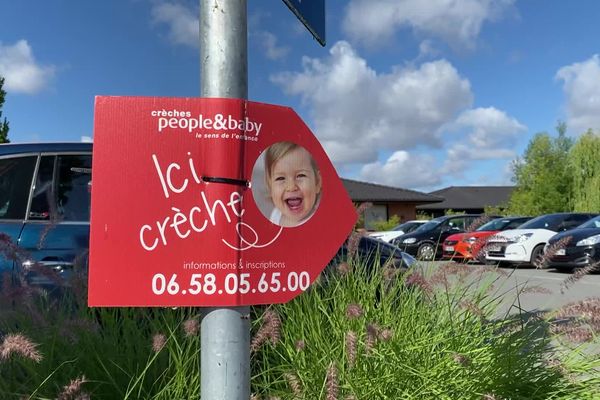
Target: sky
{"type": "Point", "coordinates": [407, 93]}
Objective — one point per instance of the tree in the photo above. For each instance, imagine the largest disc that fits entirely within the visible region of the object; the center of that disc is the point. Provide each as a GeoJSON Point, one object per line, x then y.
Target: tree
{"type": "Point", "coordinates": [3, 124]}
{"type": "Point", "coordinates": [584, 160]}
{"type": "Point", "coordinates": [543, 176]}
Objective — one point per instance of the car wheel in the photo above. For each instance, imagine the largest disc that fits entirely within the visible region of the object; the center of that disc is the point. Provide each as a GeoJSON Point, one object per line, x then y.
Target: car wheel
{"type": "Point", "coordinates": [536, 256]}
{"type": "Point", "coordinates": [426, 252]}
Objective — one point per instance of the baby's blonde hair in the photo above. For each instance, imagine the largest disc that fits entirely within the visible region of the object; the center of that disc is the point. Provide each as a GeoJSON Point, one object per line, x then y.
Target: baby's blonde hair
{"type": "Point", "coordinates": [275, 152]}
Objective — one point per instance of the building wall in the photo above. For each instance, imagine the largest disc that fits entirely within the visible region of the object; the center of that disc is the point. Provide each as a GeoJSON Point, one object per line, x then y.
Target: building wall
{"type": "Point", "coordinates": [405, 211]}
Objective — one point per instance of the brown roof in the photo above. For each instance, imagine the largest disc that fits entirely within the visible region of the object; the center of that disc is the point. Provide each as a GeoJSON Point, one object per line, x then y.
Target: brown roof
{"type": "Point", "coordinates": [470, 197]}
{"type": "Point", "coordinates": [364, 191]}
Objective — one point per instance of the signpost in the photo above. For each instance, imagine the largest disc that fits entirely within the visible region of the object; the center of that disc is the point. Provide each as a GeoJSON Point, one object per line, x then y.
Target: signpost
{"type": "Point", "coordinates": [312, 14]}
{"type": "Point", "coordinates": [177, 218]}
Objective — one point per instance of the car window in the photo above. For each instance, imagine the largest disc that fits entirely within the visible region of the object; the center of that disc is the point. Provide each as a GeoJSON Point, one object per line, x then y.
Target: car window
{"type": "Point", "coordinates": [549, 221]}
{"type": "Point", "coordinates": [73, 193]}
{"type": "Point", "coordinates": [62, 188]}
{"type": "Point", "coordinates": [592, 223]}
{"type": "Point", "coordinates": [574, 221]}
{"type": "Point", "coordinates": [15, 183]}
{"type": "Point", "coordinates": [42, 191]}
{"type": "Point", "coordinates": [515, 223]}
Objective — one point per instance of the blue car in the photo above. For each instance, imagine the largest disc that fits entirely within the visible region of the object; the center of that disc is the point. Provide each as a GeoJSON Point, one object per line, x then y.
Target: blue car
{"type": "Point", "coordinates": [44, 209]}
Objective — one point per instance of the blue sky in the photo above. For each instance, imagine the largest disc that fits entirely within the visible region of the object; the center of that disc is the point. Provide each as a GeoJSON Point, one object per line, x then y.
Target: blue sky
{"type": "Point", "coordinates": [409, 93]}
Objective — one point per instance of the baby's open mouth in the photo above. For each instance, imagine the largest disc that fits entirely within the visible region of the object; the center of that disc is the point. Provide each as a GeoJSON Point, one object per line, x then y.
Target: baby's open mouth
{"type": "Point", "coordinates": [294, 203]}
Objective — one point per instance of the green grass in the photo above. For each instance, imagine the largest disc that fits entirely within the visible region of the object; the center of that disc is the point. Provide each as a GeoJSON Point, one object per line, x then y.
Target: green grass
{"type": "Point", "coordinates": [431, 334]}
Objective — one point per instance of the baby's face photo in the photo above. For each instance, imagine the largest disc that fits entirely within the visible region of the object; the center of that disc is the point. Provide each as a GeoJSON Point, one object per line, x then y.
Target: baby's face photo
{"type": "Point", "coordinates": [294, 186]}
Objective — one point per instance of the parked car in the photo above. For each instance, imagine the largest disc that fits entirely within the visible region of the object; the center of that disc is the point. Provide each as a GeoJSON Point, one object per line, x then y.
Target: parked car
{"type": "Point", "coordinates": [44, 207]}
{"type": "Point", "coordinates": [425, 243]}
{"type": "Point", "coordinates": [582, 248]}
{"type": "Point", "coordinates": [466, 246]}
{"type": "Point", "coordinates": [398, 230]}
{"type": "Point", "coordinates": [374, 252]}
{"type": "Point", "coordinates": [526, 244]}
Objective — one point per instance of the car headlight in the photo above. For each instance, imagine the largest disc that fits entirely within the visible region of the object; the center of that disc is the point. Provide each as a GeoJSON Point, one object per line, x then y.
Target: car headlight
{"type": "Point", "coordinates": [592, 240]}
{"type": "Point", "coordinates": [523, 237]}
{"type": "Point", "coordinates": [409, 240]}
{"type": "Point", "coordinates": [470, 240]}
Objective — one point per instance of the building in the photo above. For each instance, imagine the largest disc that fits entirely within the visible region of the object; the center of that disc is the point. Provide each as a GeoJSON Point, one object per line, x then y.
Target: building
{"type": "Point", "coordinates": [467, 199]}
{"type": "Point", "coordinates": [387, 201]}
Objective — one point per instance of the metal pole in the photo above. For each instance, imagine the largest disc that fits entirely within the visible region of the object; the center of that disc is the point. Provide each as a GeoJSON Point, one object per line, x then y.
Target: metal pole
{"type": "Point", "coordinates": [225, 332]}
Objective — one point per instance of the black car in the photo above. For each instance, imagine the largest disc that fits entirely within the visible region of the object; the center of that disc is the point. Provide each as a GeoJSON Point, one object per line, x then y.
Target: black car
{"type": "Point", "coordinates": [373, 252]}
{"type": "Point", "coordinates": [425, 243]}
{"type": "Point", "coordinates": [581, 249]}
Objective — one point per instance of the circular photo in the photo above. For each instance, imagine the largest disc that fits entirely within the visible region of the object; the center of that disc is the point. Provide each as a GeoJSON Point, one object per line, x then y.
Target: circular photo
{"type": "Point", "coordinates": [286, 184]}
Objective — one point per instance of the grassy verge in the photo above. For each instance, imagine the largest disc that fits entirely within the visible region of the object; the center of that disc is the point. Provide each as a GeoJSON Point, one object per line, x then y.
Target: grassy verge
{"type": "Point", "coordinates": [355, 334]}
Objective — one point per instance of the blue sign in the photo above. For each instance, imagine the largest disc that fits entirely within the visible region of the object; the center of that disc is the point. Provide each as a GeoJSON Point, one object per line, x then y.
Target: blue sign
{"type": "Point", "coordinates": [312, 14]}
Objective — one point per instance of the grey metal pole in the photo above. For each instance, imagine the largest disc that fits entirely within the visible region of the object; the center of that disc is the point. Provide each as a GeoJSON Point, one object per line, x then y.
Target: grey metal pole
{"type": "Point", "coordinates": [225, 332]}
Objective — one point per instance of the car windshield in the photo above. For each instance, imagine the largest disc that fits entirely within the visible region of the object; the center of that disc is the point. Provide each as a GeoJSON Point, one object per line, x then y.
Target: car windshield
{"type": "Point", "coordinates": [430, 225]}
{"type": "Point", "coordinates": [494, 225]}
{"type": "Point", "coordinates": [550, 222]}
{"type": "Point", "coordinates": [592, 223]}
{"type": "Point", "coordinates": [407, 227]}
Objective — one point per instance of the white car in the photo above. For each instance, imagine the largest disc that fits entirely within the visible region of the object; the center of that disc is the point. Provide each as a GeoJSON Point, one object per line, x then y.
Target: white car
{"type": "Point", "coordinates": [526, 244]}
{"type": "Point", "coordinates": [398, 230]}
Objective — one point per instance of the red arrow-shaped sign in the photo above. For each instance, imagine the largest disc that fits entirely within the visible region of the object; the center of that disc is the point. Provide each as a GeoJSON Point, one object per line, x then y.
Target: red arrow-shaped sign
{"type": "Point", "coordinates": [209, 202]}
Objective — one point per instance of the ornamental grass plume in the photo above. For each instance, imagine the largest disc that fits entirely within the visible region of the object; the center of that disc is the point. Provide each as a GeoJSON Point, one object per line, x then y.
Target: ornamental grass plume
{"type": "Point", "coordinates": [372, 335]}
{"type": "Point", "coordinates": [417, 280]}
{"type": "Point", "coordinates": [577, 275]}
{"type": "Point", "coordinates": [300, 345]}
{"type": "Point", "coordinates": [332, 382]}
{"type": "Point", "coordinates": [294, 384]}
{"type": "Point", "coordinates": [72, 391]}
{"type": "Point", "coordinates": [354, 311]}
{"type": "Point", "coordinates": [191, 327]}
{"type": "Point", "coordinates": [579, 321]}
{"type": "Point", "coordinates": [353, 242]}
{"type": "Point", "coordinates": [17, 343]}
{"type": "Point", "coordinates": [351, 347]}
{"type": "Point", "coordinates": [343, 268]}
{"type": "Point", "coordinates": [550, 251]}
{"type": "Point", "coordinates": [461, 359]}
{"type": "Point", "coordinates": [477, 222]}
{"type": "Point", "coordinates": [159, 341]}
{"type": "Point", "coordinates": [386, 335]}
{"type": "Point", "coordinates": [269, 331]}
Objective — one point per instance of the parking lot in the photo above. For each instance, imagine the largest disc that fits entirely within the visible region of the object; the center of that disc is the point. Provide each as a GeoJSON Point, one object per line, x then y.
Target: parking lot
{"type": "Point", "coordinates": [550, 279]}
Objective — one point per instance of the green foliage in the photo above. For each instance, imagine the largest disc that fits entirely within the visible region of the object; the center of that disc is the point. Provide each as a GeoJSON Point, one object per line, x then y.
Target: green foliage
{"type": "Point", "coordinates": [412, 339]}
{"type": "Point", "coordinates": [542, 176]}
{"type": "Point", "coordinates": [387, 225]}
{"type": "Point", "coordinates": [495, 210]}
{"type": "Point", "coordinates": [423, 216]}
{"type": "Point", "coordinates": [584, 160]}
{"type": "Point", "coordinates": [432, 333]}
{"type": "Point", "coordinates": [452, 212]}
{"type": "Point", "coordinates": [3, 124]}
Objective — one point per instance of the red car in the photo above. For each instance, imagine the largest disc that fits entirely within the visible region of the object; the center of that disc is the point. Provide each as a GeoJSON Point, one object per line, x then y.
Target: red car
{"type": "Point", "coordinates": [467, 246]}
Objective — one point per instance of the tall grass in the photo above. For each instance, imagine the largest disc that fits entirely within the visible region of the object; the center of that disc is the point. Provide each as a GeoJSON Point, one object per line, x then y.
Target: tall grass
{"type": "Point", "coordinates": [357, 333]}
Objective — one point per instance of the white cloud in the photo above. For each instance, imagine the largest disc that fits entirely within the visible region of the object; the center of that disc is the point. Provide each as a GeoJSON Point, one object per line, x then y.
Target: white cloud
{"type": "Point", "coordinates": [402, 169]}
{"type": "Point", "coordinates": [358, 112]}
{"type": "Point", "coordinates": [458, 22]}
{"type": "Point", "coordinates": [21, 71]}
{"type": "Point", "coordinates": [581, 84]}
{"type": "Point", "coordinates": [269, 43]}
{"type": "Point", "coordinates": [490, 135]}
{"type": "Point", "coordinates": [182, 22]}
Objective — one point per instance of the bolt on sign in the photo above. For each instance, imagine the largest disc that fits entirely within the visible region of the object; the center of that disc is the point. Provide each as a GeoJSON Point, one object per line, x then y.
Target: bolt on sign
{"type": "Point", "coordinates": [209, 202]}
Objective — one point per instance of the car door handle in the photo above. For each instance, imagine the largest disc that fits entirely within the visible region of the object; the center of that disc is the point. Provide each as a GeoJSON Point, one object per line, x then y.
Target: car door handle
{"type": "Point", "coordinates": [58, 266]}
